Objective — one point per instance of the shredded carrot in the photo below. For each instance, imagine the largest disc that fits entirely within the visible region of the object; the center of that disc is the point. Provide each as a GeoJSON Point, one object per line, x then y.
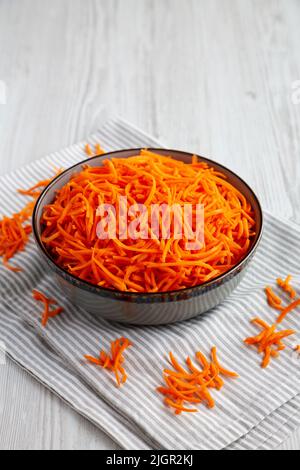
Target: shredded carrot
{"type": "Point", "coordinates": [273, 300]}
{"type": "Point", "coordinates": [276, 302]}
{"type": "Point", "coordinates": [297, 348]}
{"type": "Point", "coordinates": [14, 232]}
{"type": "Point", "coordinates": [222, 371]}
{"type": "Point", "coordinates": [88, 150]}
{"type": "Point", "coordinates": [98, 150]}
{"type": "Point", "coordinates": [14, 236]}
{"type": "Point", "coordinates": [47, 313]}
{"type": "Point", "coordinates": [187, 386]}
{"type": "Point", "coordinates": [36, 190]}
{"type": "Point", "coordinates": [114, 360]}
{"type": "Point", "coordinates": [288, 309]}
{"type": "Point", "coordinates": [268, 342]}
{"type": "Point", "coordinates": [179, 407]}
{"type": "Point", "coordinates": [286, 286]}
{"type": "Point", "coordinates": [69, 224]}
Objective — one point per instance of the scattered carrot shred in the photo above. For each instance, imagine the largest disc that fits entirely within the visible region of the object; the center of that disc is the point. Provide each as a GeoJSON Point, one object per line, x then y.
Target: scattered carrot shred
{"type": "Point", "coordinates": [69, 224]}
{"type": "Point", "coordinates": [287, 310]}
{"type": "Point", "coordinates": [286, 286]}
{"type": "Point", "coordinates": [269, 342]}
{"type": "Point", "coordinates": [98, 150]}
{"type": "Point", "coordinates": [191, 385]}
{"type": "Point", "coordinates": [88, 150]}
{"type": "Point", "coordinates": [276, 302]}
{"type": "Point", "coordinates": [297, 348]}
{"type": "Point", "coordinates": [14, 236]}
{"type": "Point", "coordinates": [273, 300]}
{"type": "Point", "coordinates": [35, 190]}
{"type": "Point", "coordinates": [114, 360]}
{"type": "Point", "coordinates": [47, 313]}
{"type": "Point", "coordinates": [14, 232]}
{"type": "Point", "coordinates": [222, 370]}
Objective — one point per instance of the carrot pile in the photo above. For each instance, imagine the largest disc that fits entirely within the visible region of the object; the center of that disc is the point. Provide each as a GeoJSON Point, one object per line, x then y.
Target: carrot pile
{"type": "Point", "coordinates": [48, 303]}
{"type": "Point", "coordinates": [191, 385]}
{"type": "Point", "coordinates": [14, 231]}
{"type": "Point", "coordinates": [113, 361]}
{"type": "Point", "coordinates": [14, 235]}
{"type": "Point", "coordinates": [269, 342]}
{"type": "Point", "coordinates": [154, 264]}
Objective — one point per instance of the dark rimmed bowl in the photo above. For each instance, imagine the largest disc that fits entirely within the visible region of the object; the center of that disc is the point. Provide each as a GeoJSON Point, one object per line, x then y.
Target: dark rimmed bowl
{"type": "Point", "coordinates": [143, 308]}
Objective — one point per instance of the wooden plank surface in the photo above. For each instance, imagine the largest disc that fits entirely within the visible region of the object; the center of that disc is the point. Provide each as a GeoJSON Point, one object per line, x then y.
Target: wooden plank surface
{"type": "Point", "coordinates": [217, 77]}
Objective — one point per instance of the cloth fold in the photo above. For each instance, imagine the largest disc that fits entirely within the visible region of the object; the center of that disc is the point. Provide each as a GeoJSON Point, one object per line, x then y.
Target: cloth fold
{"type": "Point", "coordinates": [256, 411]}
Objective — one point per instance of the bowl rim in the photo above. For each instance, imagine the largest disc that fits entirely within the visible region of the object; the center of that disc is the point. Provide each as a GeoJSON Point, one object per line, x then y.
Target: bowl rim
{"type": "Point", "coordinates": [99, 289]}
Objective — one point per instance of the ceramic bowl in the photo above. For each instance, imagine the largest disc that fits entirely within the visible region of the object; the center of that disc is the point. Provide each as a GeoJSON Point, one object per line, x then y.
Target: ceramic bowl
{"type": "Point", "coordinates": [147, 308]}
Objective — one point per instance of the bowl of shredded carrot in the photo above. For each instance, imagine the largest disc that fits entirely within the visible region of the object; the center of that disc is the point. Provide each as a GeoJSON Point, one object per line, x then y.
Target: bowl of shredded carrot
{"type": "Point", "coordinates": [149, 279]}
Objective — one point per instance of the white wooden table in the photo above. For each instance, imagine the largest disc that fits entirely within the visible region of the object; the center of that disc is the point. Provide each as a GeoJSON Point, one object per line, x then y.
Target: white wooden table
{"type": "Point", "coordinates": [217, 77]}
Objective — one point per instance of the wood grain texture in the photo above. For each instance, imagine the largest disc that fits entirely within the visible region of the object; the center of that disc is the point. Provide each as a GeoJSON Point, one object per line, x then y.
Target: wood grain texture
{"type": "Point", "coordinates": [211, 76]}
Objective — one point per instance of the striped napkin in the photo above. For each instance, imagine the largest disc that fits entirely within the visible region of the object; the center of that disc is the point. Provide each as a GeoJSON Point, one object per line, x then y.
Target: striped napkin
{"type": "Point", "coordinates": [257, 411]}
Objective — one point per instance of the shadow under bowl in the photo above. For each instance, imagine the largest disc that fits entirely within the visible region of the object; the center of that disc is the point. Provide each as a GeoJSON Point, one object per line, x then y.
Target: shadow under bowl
{"type": "Point", "coordinates": [146, 308]}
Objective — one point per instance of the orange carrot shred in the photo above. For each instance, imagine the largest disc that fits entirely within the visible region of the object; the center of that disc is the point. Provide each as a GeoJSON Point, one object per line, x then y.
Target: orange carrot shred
{"type": "Point", "coordinates": [273, 300]}
{"type": "Point", "coordinates": [276, 302]}
{"type": "Point", "coordinates": [35, 190]}
{"type": "Point", "coordinates": [14, 236]}
{"type": "Point", "coordinates": [286, 286]}
{"type": "Point", "coordinates": [47, 313]}
{"type": "Point", "coordinates": [113, 361]}
{"type": "Point", "coordinates": [187, 386]}
{"type": "Point", "coordinates": [14, 232]}
{"type": "Point", "coordinates": [268, 342]}
{"type": "Point", "coordinates": [288, 309]}
{"type": "Point", "coordinates": [93, 360]}
{"type": "Point", "coordinates": [98, 150]}
{"type": "Point", "coordinates": [222, 371]}
{"type": "Point", "coordinates": [88, 150]}
{"type": "Point", "coordinates": [179, 407]}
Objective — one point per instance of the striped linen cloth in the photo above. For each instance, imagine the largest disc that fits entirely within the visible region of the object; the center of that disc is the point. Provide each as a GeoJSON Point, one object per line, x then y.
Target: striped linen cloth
{"type": "Point", "coordinates": [257, 411]}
